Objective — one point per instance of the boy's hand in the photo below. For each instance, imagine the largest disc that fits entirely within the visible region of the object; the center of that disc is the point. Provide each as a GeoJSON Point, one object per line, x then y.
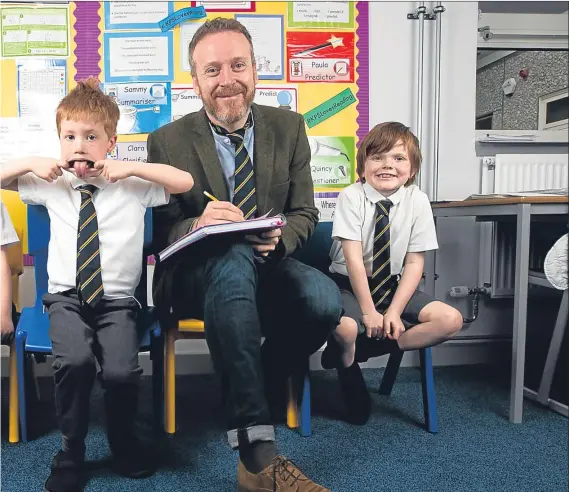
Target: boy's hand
{"type": "Point", "coordinates": [7, 329]}
{"type": "Point", "coordinates": [374, 324]}
{"type": "Point", "coordinates": [392, 325]}
{"type": "Point", "coordinates": [47, 168]}
{"type": "Point", "coordinates": [114, 170]}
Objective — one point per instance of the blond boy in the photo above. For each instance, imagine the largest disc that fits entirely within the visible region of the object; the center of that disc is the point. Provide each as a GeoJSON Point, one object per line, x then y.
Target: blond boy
{"type": "Point", "coordinates": [95, 258]}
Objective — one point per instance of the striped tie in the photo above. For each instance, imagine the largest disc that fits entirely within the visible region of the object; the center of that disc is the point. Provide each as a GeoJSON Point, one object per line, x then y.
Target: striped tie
{"type": "Point", "coordinates": [244, 191]}
{"type": "Point", "coordinates": [89, 280]}
{"type": "Point", "coordinates": [379, 284]}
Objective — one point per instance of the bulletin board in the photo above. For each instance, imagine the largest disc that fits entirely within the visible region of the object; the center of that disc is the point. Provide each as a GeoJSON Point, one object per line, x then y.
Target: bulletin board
{"type": "Point", "coordinates": [312, 57]}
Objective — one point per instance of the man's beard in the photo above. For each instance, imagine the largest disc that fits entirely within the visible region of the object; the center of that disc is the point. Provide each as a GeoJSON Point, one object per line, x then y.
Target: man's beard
{"type": "Point", "coordinates": [229, 112]}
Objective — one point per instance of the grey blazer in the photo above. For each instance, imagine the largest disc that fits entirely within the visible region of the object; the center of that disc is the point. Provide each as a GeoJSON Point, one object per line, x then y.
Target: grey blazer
{"type": "Point", "coordinates": [283, 180]}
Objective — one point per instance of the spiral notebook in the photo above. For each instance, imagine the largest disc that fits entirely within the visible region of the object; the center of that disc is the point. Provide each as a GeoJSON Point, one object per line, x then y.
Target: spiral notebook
{"type": "Point", "coordinates": [260, 224]}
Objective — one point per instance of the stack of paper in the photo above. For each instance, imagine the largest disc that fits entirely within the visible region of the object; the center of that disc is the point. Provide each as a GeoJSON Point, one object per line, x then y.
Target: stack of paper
{"type": "Point", "coordinates": [551, 192]}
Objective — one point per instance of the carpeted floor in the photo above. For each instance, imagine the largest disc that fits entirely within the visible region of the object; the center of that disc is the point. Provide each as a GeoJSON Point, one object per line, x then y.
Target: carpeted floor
{"type": "Point", "coordinates": [476, 449]}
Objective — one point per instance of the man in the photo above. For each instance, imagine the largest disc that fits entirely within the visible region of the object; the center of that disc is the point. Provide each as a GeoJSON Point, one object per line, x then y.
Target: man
{"type": "Point", "coordinates": [253, 160]}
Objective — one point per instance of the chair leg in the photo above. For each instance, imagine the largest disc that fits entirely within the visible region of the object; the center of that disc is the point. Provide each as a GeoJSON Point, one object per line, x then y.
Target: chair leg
{"type": "Point", "coordinates": [20, 344]}
{"type": "Point", "coordinates": [428, 384]}
{"type": "Point", "coordinates": [170, 382]}
{"type": "Point", "coordinates": [305, 417]}
{"type": "Point", "coordinates": [292, 417]}
{"type": "Point", "coordinates": [13, 424]}
{"type": "Point", "coordinates": [390, 373]}
{"type": "Point", "coordinates": [157, 357]}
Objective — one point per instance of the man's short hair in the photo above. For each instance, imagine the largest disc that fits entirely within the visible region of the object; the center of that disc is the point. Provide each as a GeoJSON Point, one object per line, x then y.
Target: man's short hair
{"type": "Point", "coordinates": [214, 26]}
{"type": "Point", "coordinates": [88, 102]}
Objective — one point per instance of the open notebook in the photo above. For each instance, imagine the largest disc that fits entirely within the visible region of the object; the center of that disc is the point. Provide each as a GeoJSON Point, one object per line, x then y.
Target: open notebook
{"type": "Point", "coordinates": [252, 226]}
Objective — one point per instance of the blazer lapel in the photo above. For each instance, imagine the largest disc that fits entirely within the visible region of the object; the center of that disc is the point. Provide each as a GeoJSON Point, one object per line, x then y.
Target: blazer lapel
{"type": "Point", "coordinates": [207, 153]}
{"type": "Point", "coordinates": [263, 157]}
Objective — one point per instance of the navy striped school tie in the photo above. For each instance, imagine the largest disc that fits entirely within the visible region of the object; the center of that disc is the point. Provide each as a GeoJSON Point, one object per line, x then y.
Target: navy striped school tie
{"type": "Point", "coordinates": [89, 279]}
{"type": "Point", "coordinates": [244, 195]}
{"type": "Point", "coordinates": [381, 270]}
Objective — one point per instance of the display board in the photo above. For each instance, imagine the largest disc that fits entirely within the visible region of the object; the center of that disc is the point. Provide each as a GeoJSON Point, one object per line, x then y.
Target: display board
{"type": "Point", "coordinates": [311, 57]}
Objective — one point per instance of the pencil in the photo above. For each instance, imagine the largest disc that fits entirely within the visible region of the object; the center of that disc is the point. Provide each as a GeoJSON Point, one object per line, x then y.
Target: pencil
{"type": "Point", "coordinates": [210, 196]}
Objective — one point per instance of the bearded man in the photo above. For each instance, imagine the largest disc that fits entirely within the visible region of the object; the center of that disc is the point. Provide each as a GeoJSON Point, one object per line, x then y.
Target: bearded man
{"type": "Point", "coordinates": [253, 159]}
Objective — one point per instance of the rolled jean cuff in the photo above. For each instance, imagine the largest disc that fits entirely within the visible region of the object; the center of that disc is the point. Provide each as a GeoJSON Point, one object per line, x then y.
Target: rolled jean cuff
{"type": "Point", "coordinates": [253, 434]}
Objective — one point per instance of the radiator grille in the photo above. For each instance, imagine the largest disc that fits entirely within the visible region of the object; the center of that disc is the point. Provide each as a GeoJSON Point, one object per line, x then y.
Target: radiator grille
{"type": "Point", "coordinates": [513, 173]}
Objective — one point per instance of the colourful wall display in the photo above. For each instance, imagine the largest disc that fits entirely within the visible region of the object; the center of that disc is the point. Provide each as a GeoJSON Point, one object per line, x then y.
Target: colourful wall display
{"type": "Point", "coordinates": [311, 57]}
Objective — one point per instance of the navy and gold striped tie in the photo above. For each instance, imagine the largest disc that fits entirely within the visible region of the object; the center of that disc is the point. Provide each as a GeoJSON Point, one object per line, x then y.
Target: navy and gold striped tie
{"type": "Point", "coordinates": [89, 279]}
{"type": "Point", "coordinates": [380, 285]}
{"type": "Point", "coordinates": [244, 192]}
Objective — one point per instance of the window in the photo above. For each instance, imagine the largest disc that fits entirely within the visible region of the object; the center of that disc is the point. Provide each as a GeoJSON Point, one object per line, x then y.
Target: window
{"type": "Point", "coordinates": [554, 111]}
{"type": "Point", "coordinates": [484, 122]}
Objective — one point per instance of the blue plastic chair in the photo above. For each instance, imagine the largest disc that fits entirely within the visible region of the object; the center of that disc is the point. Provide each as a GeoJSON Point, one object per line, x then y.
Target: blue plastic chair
{"type": "Point", "coordinates": [32, 330]}
{"type": "Point", "coordinates": [316, 254]}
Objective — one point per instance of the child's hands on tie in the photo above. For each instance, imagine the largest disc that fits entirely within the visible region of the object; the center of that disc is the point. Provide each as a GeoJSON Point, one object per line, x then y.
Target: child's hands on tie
{"type": "Point", "coordinates": [113, 170]}
{"type": "Point", "coordinates": [374, 323]}
{"type": "Point", "coordinates": [392, 324]}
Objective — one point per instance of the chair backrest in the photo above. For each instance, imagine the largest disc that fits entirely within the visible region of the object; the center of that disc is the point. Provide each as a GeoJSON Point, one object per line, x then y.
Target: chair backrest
{"type": "Point", "coordinates": [316, 252]}
{"type": "Point", "coordinates": [38, 241]}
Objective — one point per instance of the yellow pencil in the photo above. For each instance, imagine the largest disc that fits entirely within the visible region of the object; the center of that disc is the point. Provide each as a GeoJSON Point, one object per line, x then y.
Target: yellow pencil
{"type": "Point", "coordinates": [210, 196]}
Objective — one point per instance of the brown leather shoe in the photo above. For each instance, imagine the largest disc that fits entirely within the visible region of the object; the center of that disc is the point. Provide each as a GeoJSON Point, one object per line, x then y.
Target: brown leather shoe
{"type": "Point", "coordinates": [282, 475]}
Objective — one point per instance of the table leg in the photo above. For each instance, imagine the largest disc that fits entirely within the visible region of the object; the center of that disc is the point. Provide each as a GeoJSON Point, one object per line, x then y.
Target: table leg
{"type": "Point", "coordinates": [520, 313]}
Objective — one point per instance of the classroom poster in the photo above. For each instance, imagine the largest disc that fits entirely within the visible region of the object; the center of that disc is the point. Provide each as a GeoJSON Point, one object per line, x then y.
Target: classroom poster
{"type": "Point", "coordinates": [333, 161]}
{"type": "Point", "coordinates": [321, 56]}
{"type": "Point", "coordinates": [143, 107]}
{"type": "Point", "coordinates": [34, 31]}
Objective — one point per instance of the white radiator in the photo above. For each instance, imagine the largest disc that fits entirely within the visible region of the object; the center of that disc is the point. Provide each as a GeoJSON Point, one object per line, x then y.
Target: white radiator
{"type": "Point", "coordinates": [512, 173]}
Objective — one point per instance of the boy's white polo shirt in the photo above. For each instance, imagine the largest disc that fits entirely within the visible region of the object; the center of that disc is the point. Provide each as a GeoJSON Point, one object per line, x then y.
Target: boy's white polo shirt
{"type": "Point", "coordinates": [120, 210]}
{"type": "Point", "coordinates": [9, 235]}
{"type": "Point", "coordinates": [411, 219]}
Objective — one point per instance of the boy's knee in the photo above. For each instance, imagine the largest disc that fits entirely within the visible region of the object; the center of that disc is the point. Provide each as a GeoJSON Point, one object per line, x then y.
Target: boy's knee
{"type": "Point", "coordinates": [452, 321]}
{"type": "Point", "coordinates": [120, 375]}
{"type": "Point", "coordinates": [77, 361]}
{"type": "Point", "coordinates": [347, 330]}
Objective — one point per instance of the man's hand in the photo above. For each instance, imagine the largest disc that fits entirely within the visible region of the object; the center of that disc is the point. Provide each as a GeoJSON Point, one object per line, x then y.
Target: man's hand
{"type": "Point", "coordinates": [392, 325]}
{"type": "Point", "coordinates": [47, 168]}
{"type": "Point", "coordinates": [219, 213]}
{"type": "Point", "coordinates": [113, 170]}
{"type": "Point", "coordinates": [374, 324]}
{"type": "Point", "coordinates": [265, 242]}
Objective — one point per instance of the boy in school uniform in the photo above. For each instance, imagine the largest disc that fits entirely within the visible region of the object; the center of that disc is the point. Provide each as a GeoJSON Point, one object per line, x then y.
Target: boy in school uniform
{"type": "Point", "coordinates": [7, 239]}
{"type": "Point", "coordinates": [96, 207]}
{"type": "Point", "coordinates": [383, 225]}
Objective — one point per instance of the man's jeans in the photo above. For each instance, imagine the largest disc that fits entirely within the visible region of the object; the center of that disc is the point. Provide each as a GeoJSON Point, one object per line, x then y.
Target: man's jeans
{"type": "Point", "coordinates": [294, 306]}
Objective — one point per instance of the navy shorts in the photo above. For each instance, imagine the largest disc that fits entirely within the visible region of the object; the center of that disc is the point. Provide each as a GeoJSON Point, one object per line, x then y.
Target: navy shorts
{"type": "Point", "coordinates": [409, 316]}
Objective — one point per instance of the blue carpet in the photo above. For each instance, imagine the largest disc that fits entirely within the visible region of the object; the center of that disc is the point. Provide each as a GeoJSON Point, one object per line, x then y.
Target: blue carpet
{"type": "Point", "coordinates": [476, 449]}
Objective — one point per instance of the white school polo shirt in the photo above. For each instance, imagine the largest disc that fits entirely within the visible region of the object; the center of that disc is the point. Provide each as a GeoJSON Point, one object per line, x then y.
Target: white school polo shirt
{"type": "Point", "coordinates": [120, 210]}
{"type": "Point", "coordinates": [411, 219]}
{"type": "Point", "coordinates": [9, 235]}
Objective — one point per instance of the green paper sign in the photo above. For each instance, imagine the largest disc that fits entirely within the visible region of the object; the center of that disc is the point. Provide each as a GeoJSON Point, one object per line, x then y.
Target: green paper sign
{"type": "Point", "coordinates": [321, 15]}
{"type": "Point", "coordinates": [329, 108]}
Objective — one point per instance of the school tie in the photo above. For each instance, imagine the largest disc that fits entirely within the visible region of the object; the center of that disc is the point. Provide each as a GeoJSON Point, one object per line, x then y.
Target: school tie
{"type": "Point", "coordinates": [89, 280]}
{"type": "Point", "coordinates": [381, 268]}
{"type": "Point", "coordinates": [244, 192]}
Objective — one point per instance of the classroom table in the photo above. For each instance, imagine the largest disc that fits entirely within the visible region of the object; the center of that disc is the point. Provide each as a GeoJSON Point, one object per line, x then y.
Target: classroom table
{"type": "Point", "coordinates": [523, 210]}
